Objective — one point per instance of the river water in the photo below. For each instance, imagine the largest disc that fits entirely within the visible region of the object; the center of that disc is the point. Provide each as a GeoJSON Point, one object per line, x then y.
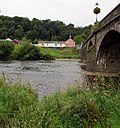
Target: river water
{"type": "Point", "coordinates": [46, 77]}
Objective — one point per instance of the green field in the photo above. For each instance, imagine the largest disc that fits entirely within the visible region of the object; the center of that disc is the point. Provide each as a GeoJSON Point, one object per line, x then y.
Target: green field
{"type": "Point", "coordinates": [64, 53]}
{"type": "Point", "coordinates": [96, 107]}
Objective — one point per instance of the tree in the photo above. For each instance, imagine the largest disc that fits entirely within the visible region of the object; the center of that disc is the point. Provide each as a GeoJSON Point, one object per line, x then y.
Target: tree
{"type": "Point", "coordinates": [19, 33]}
{"type": "Point", "coordinates": [1, 23]}
{"type": "Point", "coordinates": [19, 27]}
{"type": "Point", "coordinates": [28, 51]}
{"type": "Point", "coordinates": [3, 33]}
{"type": "Point", "coordinates": [26, 24]}
{"type": "Point", "coordinates": [54, 38]}
{"type": "Point", "coordinates": [6, 49]}
{"type": "Point", "coordinates": [11, 32]}
{"type": "Point", "coordinates": [87, 31]}
{"type": "Point", "coordinates": [78, 39]}
{"type": "Point", "coordinates": [95, 26]}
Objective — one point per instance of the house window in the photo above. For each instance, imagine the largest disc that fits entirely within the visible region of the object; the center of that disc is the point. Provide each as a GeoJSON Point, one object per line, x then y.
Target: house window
{"type": "Point", "coordinates": [55, 44]}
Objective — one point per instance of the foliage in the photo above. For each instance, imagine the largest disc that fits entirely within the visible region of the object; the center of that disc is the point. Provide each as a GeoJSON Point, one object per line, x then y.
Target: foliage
{"type": "Point", "coordinates": [19, 28]}
{"type": "Point", "coordinates": [96, 107]}
{"type": "Point", "coordinates": [54, 38]}
{"type": "Point", "coordinates": [96, 10]}
{"type": "Point", "coordinates": [78, 39]}
{"type": "Point", "coordinates": [6, 49]}
{"type": "Point", "coordinates": [24, 40]}
{"type": "Point", "coordinates": [28, 51]}
{"type": "Point", "coordinates": [95, 26]}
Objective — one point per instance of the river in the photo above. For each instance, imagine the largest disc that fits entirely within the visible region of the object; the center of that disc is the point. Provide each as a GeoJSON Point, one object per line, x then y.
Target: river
{"type": "Point", "coordinates": [46, 77]}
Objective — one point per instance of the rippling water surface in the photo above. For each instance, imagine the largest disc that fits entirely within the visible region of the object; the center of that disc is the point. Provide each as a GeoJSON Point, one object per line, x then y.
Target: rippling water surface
{"type": "Point", "coordinates": [46, 77]}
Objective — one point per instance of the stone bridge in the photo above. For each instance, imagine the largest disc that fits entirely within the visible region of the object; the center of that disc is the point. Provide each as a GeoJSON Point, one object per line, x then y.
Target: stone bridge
{"type": "Point", "coordinates": [101, 51]}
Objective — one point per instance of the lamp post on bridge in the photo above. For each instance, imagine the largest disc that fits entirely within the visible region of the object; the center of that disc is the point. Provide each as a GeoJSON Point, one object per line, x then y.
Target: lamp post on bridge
{"type": "Point", "coordinates": [96, 10]}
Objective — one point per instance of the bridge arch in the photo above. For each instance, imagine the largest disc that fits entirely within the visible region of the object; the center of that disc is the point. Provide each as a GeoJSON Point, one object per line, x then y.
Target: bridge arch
{"type": "Point", "coordinates": [110, 46]}
{"type": "Point", "coordinates": [90, 44]}
{"type": "Point", "coordinates": [101, 51]}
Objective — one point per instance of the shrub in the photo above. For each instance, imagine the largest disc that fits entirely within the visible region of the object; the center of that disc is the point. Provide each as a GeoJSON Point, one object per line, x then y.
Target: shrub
{"type": "Point", "coordinates": [27, 52]}
{"type": "Point", "coordinates": [6, 49]}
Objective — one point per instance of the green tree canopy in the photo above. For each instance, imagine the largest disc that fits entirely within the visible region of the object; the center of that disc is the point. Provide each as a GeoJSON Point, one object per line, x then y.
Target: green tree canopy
{"type": "Point", "coordinates": [79, 39]}
{"type": "Point", "coordinates": [6, 49]}
{"type": "Point", "coordinates": [19, 27]}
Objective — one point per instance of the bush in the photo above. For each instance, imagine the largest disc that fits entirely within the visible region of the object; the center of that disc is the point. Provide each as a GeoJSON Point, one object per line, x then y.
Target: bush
{"type": "Point", "coordinates": [6, 49]}
{"type": "Point", "coordinates": [27, 52]}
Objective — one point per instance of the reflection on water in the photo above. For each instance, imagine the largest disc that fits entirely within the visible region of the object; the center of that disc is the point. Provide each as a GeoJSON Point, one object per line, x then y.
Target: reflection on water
{"type": "Point", "coordinates": [46, 77]}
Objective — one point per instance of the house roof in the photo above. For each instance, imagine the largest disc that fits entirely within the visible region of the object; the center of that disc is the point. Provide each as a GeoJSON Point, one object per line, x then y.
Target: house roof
{"type": "Point", "coordinates": [8, 39]}
{"type": "Point", "coordinates": [15, 41]}
{"type": "Point", "coordinates": [70, 41]}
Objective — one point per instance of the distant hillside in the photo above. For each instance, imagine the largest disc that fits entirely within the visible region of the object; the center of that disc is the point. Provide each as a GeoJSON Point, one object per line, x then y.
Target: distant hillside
{"type": "Point", "coordinates": [19, 28]}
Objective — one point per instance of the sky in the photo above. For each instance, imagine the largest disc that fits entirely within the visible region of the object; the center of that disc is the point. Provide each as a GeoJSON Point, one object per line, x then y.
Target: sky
{"type": "Point", "coordinates": [78, 12]}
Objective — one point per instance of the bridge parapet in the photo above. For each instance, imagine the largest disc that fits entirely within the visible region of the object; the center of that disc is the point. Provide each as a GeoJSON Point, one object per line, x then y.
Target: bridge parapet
{"type": "Point", "coordinates": [114, 13]}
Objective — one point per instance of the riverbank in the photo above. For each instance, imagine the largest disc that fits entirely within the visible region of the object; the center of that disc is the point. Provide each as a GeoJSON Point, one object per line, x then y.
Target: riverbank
{"type": "Point", "coordinates": [61, 53]}
{"type": "Point", "coordinates": [28, 51]}
{"type": "Point", "coordinates": [75, 108]}
{"type": "Point", "coordinates": [62, 59]}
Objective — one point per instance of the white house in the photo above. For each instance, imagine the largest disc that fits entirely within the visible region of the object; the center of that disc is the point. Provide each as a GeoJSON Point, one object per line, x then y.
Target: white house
{"type": "Point", "coordinates": [56, 44]}
{"type": "Point", "coordinates": [51, 44]}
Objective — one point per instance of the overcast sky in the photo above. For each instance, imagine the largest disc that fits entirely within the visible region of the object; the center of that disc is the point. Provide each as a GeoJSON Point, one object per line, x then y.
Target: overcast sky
{"type": "Point", "coordinates": [77, 12]}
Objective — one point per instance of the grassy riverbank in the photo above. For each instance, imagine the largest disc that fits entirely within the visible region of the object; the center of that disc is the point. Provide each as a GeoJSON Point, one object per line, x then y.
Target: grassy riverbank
{"type": "Point", "coordinates": [96, 107]}
{"type": "Point", "coordinates": [27, 51]}
{"type": "Point", "coordinates": [45, 53]}
{"type": "Point", "coordinates": [65, 53]}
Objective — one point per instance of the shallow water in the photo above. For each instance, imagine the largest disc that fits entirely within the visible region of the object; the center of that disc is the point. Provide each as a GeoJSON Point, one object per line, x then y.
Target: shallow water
{"type": "Point", "coordinates": [46, 77]}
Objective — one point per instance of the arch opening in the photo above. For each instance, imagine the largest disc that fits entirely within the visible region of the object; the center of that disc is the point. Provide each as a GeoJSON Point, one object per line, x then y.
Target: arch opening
{"type": "Point", "coordinates": [110, 46]}
{"type": "Point", "coordinates": [109, 50]}
{"type": "Point", "coordinates": [90, 44]}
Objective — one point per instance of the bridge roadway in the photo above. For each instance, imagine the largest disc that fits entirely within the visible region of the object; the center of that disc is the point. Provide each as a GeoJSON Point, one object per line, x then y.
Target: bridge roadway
{"type": "Point", "coordinates": [101, 51]}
